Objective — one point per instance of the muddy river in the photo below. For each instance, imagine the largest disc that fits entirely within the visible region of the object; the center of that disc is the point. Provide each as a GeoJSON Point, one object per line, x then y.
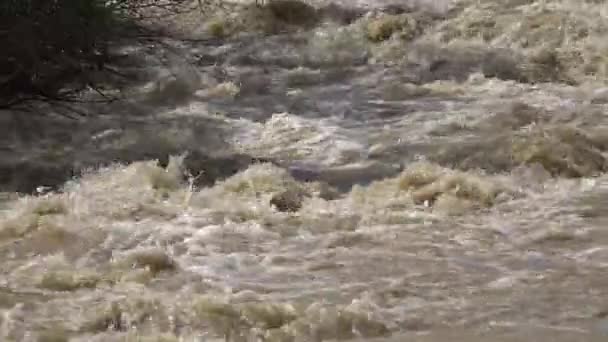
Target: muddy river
{"type": "Point", "coordinates": [354, 170]}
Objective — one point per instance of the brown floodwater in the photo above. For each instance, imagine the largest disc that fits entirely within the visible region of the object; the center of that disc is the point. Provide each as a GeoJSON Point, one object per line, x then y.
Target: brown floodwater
{"type": "Point", "coordinates": [434, 173]}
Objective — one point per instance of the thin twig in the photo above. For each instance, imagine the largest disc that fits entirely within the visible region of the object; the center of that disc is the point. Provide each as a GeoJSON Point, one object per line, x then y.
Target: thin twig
{"type": "Point", "coordinates": [98, 91]}
{"type": "Point", "coordinates": [69, 108]}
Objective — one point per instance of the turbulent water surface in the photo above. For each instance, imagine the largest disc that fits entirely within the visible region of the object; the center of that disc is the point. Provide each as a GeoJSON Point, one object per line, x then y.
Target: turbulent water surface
{"type": "Point", "coordinates": [366, 171]}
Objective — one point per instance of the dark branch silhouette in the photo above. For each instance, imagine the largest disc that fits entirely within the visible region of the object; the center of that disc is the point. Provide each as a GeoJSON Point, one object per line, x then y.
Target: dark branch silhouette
{"type": "Point", "coordinates": [50, 48]}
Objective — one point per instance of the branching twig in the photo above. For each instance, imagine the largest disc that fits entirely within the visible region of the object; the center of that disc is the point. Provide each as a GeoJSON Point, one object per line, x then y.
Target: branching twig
{"type": "Point", "coordinates": [37, 55]}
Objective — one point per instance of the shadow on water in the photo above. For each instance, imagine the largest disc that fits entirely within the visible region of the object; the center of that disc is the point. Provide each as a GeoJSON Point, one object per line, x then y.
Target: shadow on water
{"type": "Point", "coordinates": [50, 144]}
{"type": "Point", "coordinates": [49, 151]}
